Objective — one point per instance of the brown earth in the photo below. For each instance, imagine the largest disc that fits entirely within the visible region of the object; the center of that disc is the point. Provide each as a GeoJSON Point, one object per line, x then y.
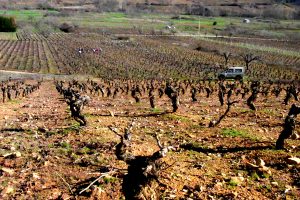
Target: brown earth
{"type": "Point", "coordinates": [44, 154]}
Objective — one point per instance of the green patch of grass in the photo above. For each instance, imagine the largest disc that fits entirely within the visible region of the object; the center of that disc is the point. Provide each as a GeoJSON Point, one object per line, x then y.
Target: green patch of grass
{"type": "Point", "coordinates": [138, 103]}
{"type": "Point", "coordinates": [203, 21]}
{"type": "Point", "coordinates": [233, 183]}
{"type": "Point", "coordinates": [197, 126]}
{"type": "Point", "coordinates": [15, 101]}
{"type": "Point", "coordinates": [89, 115]}
{"type": "Point", "coordinates": [20, 12]}
{"type": "Point", "coordinates": [266, 188]}
{"type": "Point", "coordinates": [237, 133]}
{"type": "Point", "coordinates": [198, 145]}
{"type": "Point", "coordinates": [265, 175]}
{"type": "Point", "coordinates": [156, 110]}
{"type": "Point", "coordinates": [30, 132]}
{"type": "Point", "coordinates": [243, 110]}
{"type": "Point", "coordinates": [66, 148]}
{"type": "Point", "coordinates": [188, 28]}
{"type": "Point", "coordinates": [191, 153]}
{"type": "Point", "coordinates": [110, 179]}
{"type": "Point", "coordinates": [74, 156]}
{"type": "Point", "coordinates": [117, 15]}
{"type": "Point", "coordinates": [273, 152]}
{"type": "Point", "coordinates": [268, 111]}
{"type": "Point", "coordinates": [24, 15]}
{"type": "Point", "coordinates": [257, 176]}
{"type": "Point", "coordinates": [49, 133]}
{"type": "Point", "coordinates": [8, 36]}
{"type": "Point", "coordinates": [85, 150]}
{"type": "Point", "coordinates": [254, 176]}
{"type": "Point", "coordinates": [175, 175]}
{"type": "Point", "coordinates": [4, 183]}
{"type": "Point", "coordinates": [65, 145]}
{"type": "Point", "coordinates": [65, 131]}
{"type": "Point", "coordinates": [73, 128]}
{"type": "Point", "coordinates": [233, 133]}
{"type": "Point", "coordinates": [64, 151]}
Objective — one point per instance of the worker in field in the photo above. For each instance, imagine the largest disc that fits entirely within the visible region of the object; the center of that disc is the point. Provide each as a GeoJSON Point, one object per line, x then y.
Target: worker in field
{"type": "Point", "coordinates": [80, 51]}
{"type": "Point", "coordinates": [97, 50]}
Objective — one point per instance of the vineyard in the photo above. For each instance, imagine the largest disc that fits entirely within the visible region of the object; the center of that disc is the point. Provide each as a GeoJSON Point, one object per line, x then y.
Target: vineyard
{"type": "Point", "coordinates": [96, 115]}
{"type": "Point", "coordinates": [143, 139]}
{"type": "Point", "coordinates": [136, 57]}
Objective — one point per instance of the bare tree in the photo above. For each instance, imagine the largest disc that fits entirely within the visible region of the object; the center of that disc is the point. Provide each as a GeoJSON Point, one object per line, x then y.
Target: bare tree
{"type": "Point", "coordinates": [248, 58]}
{"type": "Point", "coordinates": [226, 56]}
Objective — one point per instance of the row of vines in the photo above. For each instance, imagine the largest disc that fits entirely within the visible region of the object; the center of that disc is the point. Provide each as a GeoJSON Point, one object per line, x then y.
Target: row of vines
{"type": "Point", "coordinates": [137, 58]}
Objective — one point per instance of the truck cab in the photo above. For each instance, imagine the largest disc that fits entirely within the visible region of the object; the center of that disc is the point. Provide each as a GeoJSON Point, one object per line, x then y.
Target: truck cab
{"type": "Point", "coordinates": [232, 73]}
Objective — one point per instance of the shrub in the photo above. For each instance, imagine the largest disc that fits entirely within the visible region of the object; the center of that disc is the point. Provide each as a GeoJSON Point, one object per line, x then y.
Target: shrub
{"type": "Point", "coordinates": [7, 24]}
{"type": "Point", "coordinates": [67, 28]}
{"type": "Point", "coordinates": [44, 6]}
{"type": "Point", "coordinates": [123, 38]}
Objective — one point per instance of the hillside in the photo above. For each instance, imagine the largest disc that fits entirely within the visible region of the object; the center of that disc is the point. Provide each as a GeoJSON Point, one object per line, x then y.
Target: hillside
{"type": "Point", "coordinates": [245, 8]}
{"type": "Point", "coordinates": [44, 154]}
{"type": "Point", "coordinates": [164, 100]}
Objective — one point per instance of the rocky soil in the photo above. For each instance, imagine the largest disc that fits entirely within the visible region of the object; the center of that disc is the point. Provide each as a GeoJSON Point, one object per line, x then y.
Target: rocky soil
{"type": "Point", "coordinates": [44, 154]}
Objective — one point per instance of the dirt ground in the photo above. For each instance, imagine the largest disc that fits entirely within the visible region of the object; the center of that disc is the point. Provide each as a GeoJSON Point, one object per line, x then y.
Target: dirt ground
{"type": "Point", "coordinates": [44, 154]}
